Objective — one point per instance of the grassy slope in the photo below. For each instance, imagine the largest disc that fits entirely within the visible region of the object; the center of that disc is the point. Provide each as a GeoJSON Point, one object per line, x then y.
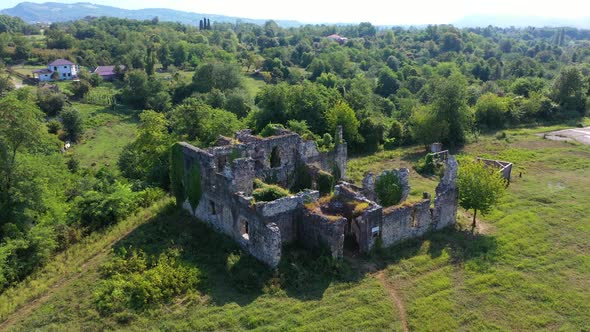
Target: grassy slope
{"type": "Point", "coordinates": [107, 132]}
{"type": "Point", "coordinates": [529, 269]}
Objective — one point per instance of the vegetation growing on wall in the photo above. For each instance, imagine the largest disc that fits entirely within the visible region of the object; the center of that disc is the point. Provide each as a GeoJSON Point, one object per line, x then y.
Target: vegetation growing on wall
{"type": "Point", "coordinates": [177, 173]}
{"type": "Point", "coordinates": [325, 182]}
{"type": "Point", "coordinates": [388, 189]}
{"type": "Point", "coordinates": [193, 185]}
{"type": "Point", "coordinates": [264, 192]}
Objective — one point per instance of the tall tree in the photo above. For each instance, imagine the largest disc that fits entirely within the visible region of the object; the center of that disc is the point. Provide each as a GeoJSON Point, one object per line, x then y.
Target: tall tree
{"type": "Point", "coordinates": [450, 107]}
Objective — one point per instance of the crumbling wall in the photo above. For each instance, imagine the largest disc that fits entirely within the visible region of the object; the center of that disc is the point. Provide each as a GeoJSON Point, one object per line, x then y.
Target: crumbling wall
{"type": "Point", "coordinates": [447, 197]}
{"type": "Point", "coordinates": [286, 212]}
{"type": "Point", "coordinates": [406, 221]}
{"type": "Point", "coordinates": [316, 230]}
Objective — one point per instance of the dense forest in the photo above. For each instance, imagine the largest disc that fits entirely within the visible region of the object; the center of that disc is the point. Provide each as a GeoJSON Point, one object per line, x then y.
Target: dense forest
{"type": "Point", "coordinates": [385, 87]}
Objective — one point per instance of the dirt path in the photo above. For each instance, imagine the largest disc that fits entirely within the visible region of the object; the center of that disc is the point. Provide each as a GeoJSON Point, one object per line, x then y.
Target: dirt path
{"type": "Point", "coordinates": [25, 310]}
{"type": "Point", "coordinates": [393, 293]}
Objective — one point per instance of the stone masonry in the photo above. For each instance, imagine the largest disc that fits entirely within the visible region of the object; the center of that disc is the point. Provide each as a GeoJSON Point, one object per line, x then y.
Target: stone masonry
{"type": "Point", "coordinates": [228, 171]}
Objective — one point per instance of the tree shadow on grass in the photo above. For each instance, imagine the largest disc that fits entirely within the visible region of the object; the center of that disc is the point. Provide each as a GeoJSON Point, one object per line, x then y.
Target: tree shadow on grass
{"type": "Point", "coordinates": [461, 244]}
{"type": "Point", "coordinates": [229, 275]}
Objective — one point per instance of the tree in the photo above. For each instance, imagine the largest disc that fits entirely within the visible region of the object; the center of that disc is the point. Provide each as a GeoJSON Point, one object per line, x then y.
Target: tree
{"type": "Point", "coordinates": [222, 76]}
{"type": "Point", "coordinates": [6, 85]}
{"type": "Point", "coordinates": [568, 90]}
{"type": "Point", "coordinates": [490, 111]}
{"type": "Point", "coordinates": [450, 107]}
{"type": "Point", "coordinates": [20, 127]}
{"type": "Point", "coordinates": [72, 123]}
{"type": "Point", "coordinates": [146, 158]}
{"type": "Point", "coordinates": [342, 115]}
{"type": "Point", "coordinates": [197, 121]}
{"type": "Point", "coordinates": [480, 187]}
{"type": "Point", "coordinates": [387, 82]}
{"type": "Point", "coordinates": [50, 102]}
{"type": "Point", "coordinates": [425, 128]}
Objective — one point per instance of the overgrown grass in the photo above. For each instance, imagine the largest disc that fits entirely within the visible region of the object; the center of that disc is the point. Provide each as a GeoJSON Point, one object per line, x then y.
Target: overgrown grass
{"type": "Point", "coordinates": [107, 131]}
{"type": "Point", "coordinates": [528, 269]}
{"type": "Point", "coordinates": [253, 85]}
{"type": "Point", "coordinates": [235, 292]}
{"type": "Point", "coordinates": [70, 263]}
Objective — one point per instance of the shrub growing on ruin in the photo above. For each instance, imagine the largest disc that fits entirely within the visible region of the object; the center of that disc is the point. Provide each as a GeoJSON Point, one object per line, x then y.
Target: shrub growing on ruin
{"type": "Point", "coordinates": [268, 192]}
{"type": "Point", "coordinates": [388, 189]}
{"type": "Point", "coordinates": [325, 182]}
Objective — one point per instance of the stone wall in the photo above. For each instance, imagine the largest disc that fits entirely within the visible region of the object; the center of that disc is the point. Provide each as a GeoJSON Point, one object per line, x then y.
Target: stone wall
{"type": "Point", "coordinates": [315, 230]}
{"type": "Point", "coordinates": [406, 221]}
{"type": "Point", "coordinates": [447, 196]}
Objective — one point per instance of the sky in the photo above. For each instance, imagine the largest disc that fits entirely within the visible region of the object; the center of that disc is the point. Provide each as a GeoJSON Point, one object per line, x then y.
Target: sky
{"type": "Point", "coordinates": [379, 12]}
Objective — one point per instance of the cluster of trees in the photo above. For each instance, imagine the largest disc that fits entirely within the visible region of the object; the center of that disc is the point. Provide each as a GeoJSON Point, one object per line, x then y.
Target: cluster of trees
{"type": "Point", "coordinates": [385, 87]}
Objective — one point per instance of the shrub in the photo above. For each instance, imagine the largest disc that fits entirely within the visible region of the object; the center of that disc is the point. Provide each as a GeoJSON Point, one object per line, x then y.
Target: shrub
{"type": "Point", "coordinates": [389, 144]}
{"type": "Point", "coordinates": [53, 126]}
{"type": "Point", "coordinates": [426, 165]}
{"type": "Point", "coordinates": [325, 182]}
{"type": "Point", "coordinates": [268, 192]}
{"type": "Point", "coordinates": [136, 282]}
{"type": "Point", "coordinates": [271, 129]}
{"type": "Point", "coordinates": [388, 189]}
{"type": "Point", "coordinates": [149, 196]}
{"type": "Point", "coordinates": [302, 179]}
{"type": "Point", "coordinates": [359, 208]}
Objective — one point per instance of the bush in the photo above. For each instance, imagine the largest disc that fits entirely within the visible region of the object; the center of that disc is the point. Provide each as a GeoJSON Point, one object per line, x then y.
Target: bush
{"type": "Point", "coordinates": [389, 144]}
{"type": "Point", "coordinates": [268, 192]}
{"type": "Point", "coordinates": [426, 165]}
{"type": "Point", "coordinates": [271, 129]}
{"type": "Point", "coordinates": [149, 196]}
{"type": "Point", "coordinates": [388, 189]}
{"type": "Point", "coordinates": [53, 126]}
{"type": "Point", "coordinates": [137, 281]}
{"type": "Point", "coordinates": [50, 102]}
{"type": "Point", "coordinates": [97, 209]}
{"type": "Point", "coordinates": [325, 183]}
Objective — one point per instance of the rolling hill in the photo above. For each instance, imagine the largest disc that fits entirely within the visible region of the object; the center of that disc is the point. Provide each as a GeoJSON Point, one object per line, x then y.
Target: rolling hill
{"type": "Point", "coordinates": [50, 12]}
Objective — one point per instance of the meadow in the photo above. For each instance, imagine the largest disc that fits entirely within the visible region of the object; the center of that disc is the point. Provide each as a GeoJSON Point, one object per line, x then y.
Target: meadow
{"type": "Point", "coordinates": [527, 266]}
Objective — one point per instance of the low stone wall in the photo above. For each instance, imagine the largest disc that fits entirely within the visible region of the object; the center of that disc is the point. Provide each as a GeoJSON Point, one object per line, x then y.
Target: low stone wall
{"type": "Point", "coordinates": [315, 230]}
{"type": "Point", "coordinates": [406, 221]}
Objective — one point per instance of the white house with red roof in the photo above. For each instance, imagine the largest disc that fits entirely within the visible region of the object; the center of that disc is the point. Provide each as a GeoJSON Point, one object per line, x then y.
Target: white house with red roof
{"type": "Point", "coordinates": [60, 69]}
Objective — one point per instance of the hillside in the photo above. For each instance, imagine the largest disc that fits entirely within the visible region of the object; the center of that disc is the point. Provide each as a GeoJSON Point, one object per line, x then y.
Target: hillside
{"type": "Point", "coordinates": [49, 12]}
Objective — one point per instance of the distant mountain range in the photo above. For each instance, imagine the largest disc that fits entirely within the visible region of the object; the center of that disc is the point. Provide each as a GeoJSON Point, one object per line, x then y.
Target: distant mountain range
{"type": "Point", "coordinates": [521, 21]}
{"type": "Point", "coordinates": [50, 12]}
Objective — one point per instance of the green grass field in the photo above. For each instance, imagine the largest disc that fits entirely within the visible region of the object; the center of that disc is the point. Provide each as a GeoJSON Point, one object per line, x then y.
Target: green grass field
{"type": "Point", "coordinates": [107, 131]}
{"type": "Point", "coordinates": [527, 268]}
{"type": "Point", "coordinates": [253, 85]}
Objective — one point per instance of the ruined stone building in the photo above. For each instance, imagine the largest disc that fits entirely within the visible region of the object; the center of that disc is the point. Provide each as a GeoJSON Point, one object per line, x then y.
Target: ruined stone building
{"type": "Point", "coordinates": [224, 201]}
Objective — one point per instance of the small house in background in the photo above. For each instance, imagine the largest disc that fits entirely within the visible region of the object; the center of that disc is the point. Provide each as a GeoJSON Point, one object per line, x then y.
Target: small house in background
{"type": "Point", "coordinates": [337, 38]}
{"type": "Point", "coordinates": [58, 70]}
{"type": "Point", "coordinates": [109, 73]}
